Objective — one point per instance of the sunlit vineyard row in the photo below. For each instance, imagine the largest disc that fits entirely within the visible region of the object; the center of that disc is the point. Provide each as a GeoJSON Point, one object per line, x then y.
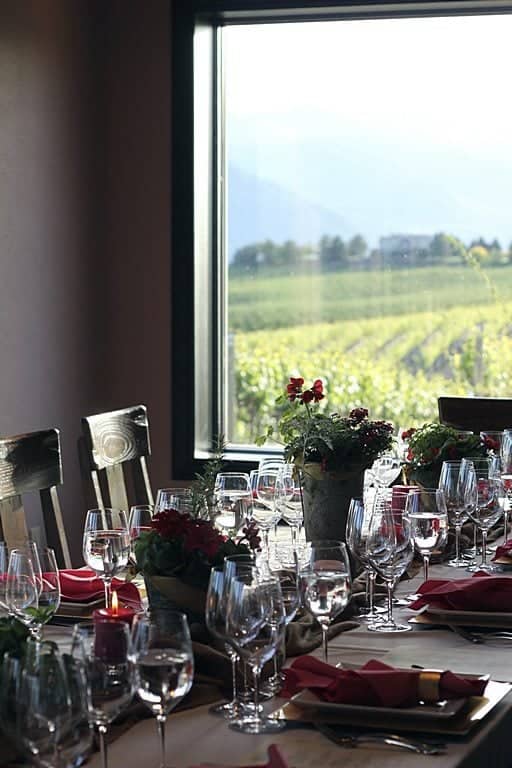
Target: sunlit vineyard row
{"type": "Point", "coordinates": [395, 366]}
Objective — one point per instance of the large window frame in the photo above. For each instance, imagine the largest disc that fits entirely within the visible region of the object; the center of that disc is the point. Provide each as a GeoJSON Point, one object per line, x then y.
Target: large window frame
{"type": "Point", "coordinates": [198, 356]}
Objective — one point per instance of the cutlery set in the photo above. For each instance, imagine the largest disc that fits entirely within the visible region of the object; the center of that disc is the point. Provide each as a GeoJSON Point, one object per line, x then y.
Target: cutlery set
{"type": "Point", "coordinates": [351, 739]}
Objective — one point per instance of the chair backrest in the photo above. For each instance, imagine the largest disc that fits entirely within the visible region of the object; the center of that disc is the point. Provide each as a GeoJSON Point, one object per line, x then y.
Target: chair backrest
{"type": "Point", "coordinates": [32, 462]}
{"type": "Point", "coordinates": [477, 414]}
{"type": "Point", "coordinates": [114, 440]}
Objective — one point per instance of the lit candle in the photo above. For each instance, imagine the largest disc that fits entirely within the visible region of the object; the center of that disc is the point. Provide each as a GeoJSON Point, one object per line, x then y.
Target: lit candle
{"type": "Point", "coordinates": [115, 613]}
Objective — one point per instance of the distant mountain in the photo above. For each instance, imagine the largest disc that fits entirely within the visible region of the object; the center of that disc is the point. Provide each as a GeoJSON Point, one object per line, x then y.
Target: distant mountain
{"type": "Point", "coordinates": [370, 185]}
{"type": "Point", "coordinates": [260, 209]}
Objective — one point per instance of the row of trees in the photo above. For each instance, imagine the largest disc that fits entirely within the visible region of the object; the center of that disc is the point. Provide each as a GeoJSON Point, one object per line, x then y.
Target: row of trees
{"type": "Point", "coordinates": [334, 253]}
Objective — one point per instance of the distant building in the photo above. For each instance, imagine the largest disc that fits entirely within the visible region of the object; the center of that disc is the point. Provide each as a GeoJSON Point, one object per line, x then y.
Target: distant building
{"type": "Point", "coordinates": [394, 244]}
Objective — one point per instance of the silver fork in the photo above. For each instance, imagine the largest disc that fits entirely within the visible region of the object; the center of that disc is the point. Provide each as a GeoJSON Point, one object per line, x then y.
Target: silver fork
{"type": "Point", "coordinates": [346, 739]}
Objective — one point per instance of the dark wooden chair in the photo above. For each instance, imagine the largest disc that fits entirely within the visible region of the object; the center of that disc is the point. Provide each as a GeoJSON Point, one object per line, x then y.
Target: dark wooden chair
{"type": "Point", "coordinates": [477, 414]}
{"type": "Point", "coordinates": [112, 442]}
{"type": "Point", "coordinates": [29, 463]}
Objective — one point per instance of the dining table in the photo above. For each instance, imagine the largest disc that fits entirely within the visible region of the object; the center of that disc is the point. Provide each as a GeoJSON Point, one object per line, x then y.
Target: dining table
{"type": "Point", "coordinates": [196, 737]}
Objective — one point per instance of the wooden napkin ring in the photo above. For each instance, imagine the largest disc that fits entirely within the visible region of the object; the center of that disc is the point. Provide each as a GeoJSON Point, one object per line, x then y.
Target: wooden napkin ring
{"type": "Point", "coordinates": [428, 685]}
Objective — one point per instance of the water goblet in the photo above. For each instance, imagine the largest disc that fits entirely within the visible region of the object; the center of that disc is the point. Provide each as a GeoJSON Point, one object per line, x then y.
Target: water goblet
{"type": "Point", "coordinates": [4, 564]}
{"type": "Point", "coordinates": [179, 499]}
{"type": "Point", "coordinates": [288, 499]}
{"type": "Point", "coordinates": [164, 664]}
{"type": "Point", "coordinates": [358, 517]}
{"type": "Point", "coordinates": [106, 545]}
{"type": "Point", "coordinates": [265, 512]}
{"type": "Point", "coordinates": [326, 584]}
{"type": "Point", "coordinates": [22, 593]}
{"type": "Point", "coordinates": [428, 519]}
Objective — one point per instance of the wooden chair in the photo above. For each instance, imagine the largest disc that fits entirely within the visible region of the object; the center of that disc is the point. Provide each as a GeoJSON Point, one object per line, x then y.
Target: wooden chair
{"type": "Point", "coordinates": [28, 463]}
{"type": "Point", "coordinates": [113, 441]}
{"type": "Point", "coordinates": [477, 414]}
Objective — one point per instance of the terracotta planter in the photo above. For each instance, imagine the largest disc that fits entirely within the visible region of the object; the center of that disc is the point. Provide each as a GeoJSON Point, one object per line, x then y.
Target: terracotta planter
{"type": "Point", "coordinates": [327, 498]}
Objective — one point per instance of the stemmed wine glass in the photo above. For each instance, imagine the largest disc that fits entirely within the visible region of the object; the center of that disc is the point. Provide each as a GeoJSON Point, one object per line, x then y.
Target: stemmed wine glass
{"type": "Point", "coordinates": [390, 550]}
{"type": "Point", "coordinates": [4, 564]}
{"type": "Point", "coordinates": [357, 533]}
{"type": "Point", "coordinates": [164, 664]}
{"type": "Point", "coordinates": [50, 721]}
{"type": "Point", "coordinates": [326, 584]}
{"type": "Point", "coordinates": [104, 651]}
{"type": "Point", "coordinates": [22, 592]}
{"type": "Point", "coordinates": [139, 521]}
{"type": "Point", "coordinates": [428, 519]}
{"type": "Point", "coordinates": [289, 501]}
{"type": "Point", "coordinates": [215, 617]}
{"type": "Point", "coordinates": [265, 511]}
{"type": "Point", "coordinates": [481, 488]}
{"type": "Point", "coordinates": [232, 500]}
{"type": "Point", "coordinates": [106, 544]}
{"type": "Point", "coordinates": [450, 482]}
{"type": "Point", "coordinates": [255, 620]}
{"type": "Point", "coordinates": [179, 499]}
{"type": "Point", "coordinates": [506, 473]}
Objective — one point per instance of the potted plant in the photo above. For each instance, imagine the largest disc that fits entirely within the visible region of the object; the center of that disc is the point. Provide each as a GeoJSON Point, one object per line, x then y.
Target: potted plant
{"type": "Point", "coordinates": [331, 450]}
{"type": "Point", "coordinates": [176, 556]}
{"type": "Point", "coordinates": [431, 444]}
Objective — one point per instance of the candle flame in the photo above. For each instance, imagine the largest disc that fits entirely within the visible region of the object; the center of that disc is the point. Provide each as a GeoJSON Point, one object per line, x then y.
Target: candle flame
{"type": "Point", "coordinates": [115, 603]}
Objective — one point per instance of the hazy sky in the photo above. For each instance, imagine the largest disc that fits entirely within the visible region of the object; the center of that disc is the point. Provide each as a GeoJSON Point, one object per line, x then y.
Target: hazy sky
{"type": "Point", "coordinates": [444, 80]}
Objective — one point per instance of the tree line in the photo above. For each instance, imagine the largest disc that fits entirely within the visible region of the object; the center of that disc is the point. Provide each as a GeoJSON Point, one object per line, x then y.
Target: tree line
{"type": "Point", "coordinates": [334, 253]}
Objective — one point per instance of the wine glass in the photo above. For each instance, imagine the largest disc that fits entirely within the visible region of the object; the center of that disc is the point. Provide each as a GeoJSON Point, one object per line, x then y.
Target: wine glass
{"type": "Point", "coordinates": [357, 533]}
{"type": "Point", "coordinates": [385, 470]}
{"type": "Point", "coordinates": [49, 589]}
{"type": "Point", "coordinates": [139, 521]}
{"type": "Point", "coordinates": [232, 500]}
{"type": "Point", "coordinates": [52, 716]}
{"type": "Point", "coordinates": [103, 650]}
{"type": "Point", "coordinates": [481, 488]}
{"type": "Point", "coordinates": [450, 483]}
{"type": "Point", "coordinates": [265, 512]}
{"type": "Point", "coordinates": [215, 617]}
{"type": "Point", "coordinates": [390, 550]}
{"type": "Point", "coordinates": [326, 584]}
{"type": "Point", "coordinates": [255, 620]}
{"type": "Point", "coordinates": [164, 664]}
{"type": "Point", "coordinates": [22, 589]}
{"type": "Point", "coordinates": [506, 473]}
{"type": "Point", "coordinates": [288, 499]}
{"type": "Point", "coordinates": [428, 519]}
{"type": "Point", "coordinates": [179, 499]}
{"type": "Point", "coordinates": [106, 545]}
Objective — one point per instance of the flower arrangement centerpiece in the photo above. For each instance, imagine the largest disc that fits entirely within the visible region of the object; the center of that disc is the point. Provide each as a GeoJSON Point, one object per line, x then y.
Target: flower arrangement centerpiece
{"type": "Point", "coordinates": [431, 444]}
{"type": "Point", "coordinates": [331, 450]}
{"type": "Point", "coordinates": [177, 554]}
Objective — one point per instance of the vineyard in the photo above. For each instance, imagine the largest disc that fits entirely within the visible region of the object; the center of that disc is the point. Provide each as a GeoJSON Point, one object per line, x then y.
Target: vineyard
{"type": "Point", "coordinates": [395, 365]}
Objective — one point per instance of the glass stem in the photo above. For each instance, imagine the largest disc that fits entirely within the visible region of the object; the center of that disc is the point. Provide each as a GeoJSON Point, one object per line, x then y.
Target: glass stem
{"type": "Point", "coordinates": [484, 547]}
{"type": "Point", "coordinates": [457, 544]}
{"type": "Point", "coordinates": [426, 559]}
{"type": "Point", "coordinates": [505, 522]}
{"type": "Point", "coordinates": [102, 732]}
{"type": "Point", "coordinates": [475, 539]}
{"type": "Point", "coordinates": [371, 591]}
{"type": "Point", "coordinates": [256, 675]}
{"type": "Point", "coordinates": [389, 586]}
{"type": "Point", "coordinates": [234, 662]}
{"type": "Point", "coordinates": [325, 628]}
{"type": "Point", "coordinates": [107, 583]}
{"type": "Point", "coordinates": [160, 721]}
{"type": "Point", "coordinates": [294, 537]}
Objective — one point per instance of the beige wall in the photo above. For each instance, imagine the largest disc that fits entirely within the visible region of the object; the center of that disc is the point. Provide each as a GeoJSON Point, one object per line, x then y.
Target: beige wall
{"type": "Point", "coordinates": [84, 221]}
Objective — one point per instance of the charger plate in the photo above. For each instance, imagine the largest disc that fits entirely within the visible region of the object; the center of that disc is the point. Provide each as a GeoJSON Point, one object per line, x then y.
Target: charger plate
{"type": "Point", "coordinates": [433, 615]}
{"type": "Point", "coordinates": [474, 710]}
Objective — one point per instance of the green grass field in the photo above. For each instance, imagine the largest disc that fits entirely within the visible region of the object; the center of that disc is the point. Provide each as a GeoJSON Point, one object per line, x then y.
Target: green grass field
{"type": "Point", "coordinates": [391, 342]}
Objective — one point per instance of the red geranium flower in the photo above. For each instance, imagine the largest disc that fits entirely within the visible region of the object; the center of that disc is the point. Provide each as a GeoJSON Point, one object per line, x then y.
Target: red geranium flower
{"type": "Point", "coordinates": [358, 414]}
{"type": "Point", "coordinates": [294, 388]}
{"type": "Point", "coordinates": [170, 523]}
{"type": "Point", "coordinates": [318, 390]}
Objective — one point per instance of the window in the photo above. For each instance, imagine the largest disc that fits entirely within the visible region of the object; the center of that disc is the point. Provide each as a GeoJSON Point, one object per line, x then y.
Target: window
{"type": "Point", "coordinates": [349, 211]}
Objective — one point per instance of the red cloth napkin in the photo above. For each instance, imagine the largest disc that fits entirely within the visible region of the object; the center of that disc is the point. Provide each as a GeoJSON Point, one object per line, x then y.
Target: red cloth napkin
{"type": "Point", "coordinates": [275, 760]}
{"type": "Point", "coordinates": [376, 684]}
{"type": "Point", "coordinates": [505, 550]}
{"type": "Point", "coordinates": [479, 593]}
{"type": "Point", "coordinates": [82, 585]}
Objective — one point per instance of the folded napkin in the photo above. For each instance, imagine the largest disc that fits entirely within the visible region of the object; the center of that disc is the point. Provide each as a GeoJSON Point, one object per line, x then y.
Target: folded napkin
{"type": "Point", "coordinates": [275, 760]}
{"type": "Point", "coordinates": [82, 586]}
{"type": "Point", "coordinates": [376, 684]}
{"type": "Point", "coordinates": [504, 551]}
{"type": "Point", "coordinates": [478, 593]}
